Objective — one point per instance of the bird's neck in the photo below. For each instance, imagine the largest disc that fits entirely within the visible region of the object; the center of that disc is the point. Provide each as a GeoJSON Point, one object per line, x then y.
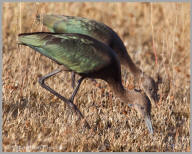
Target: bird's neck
{"type": "Point", "coordinates": [136, 71]}
{"type": "Point", "coordinates": [125, 95]}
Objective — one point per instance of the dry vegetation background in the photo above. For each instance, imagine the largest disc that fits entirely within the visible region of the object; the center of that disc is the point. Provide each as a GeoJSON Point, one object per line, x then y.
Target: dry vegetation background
{"type": "Point", "coordinates": [35, 120]}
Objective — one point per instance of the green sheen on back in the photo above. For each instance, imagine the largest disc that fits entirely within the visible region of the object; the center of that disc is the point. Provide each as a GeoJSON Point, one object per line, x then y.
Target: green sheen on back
{"type": "Point", "coordinates": [77, 52]}
{"type": "Point", "coordinates": [70, 24]}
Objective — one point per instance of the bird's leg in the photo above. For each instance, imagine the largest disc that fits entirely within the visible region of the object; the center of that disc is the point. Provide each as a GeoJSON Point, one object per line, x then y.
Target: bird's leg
{"type": "Point", "coordinates": [69, 102]}
{"type": "Point", "coordinates": [73, 80]}
{"type": "Point", "coordinates": [76, 89]}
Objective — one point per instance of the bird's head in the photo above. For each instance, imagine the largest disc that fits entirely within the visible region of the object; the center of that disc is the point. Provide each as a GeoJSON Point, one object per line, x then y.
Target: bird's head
{"type": "Point", "coordinates": [150, 87]}
{"type": "Point", "coordinates": [142, 105]}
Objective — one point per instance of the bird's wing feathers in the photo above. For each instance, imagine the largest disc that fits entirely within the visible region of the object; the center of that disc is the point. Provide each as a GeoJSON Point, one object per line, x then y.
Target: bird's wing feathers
{"type": "Point", "coordinates": [77, 52]}
{"type": "Point", "coordinates": [72, 24]}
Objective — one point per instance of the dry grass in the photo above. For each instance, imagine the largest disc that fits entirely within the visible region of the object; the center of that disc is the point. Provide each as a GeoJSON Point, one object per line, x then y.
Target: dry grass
{"type": "Point", "coordinates": [35, 120]}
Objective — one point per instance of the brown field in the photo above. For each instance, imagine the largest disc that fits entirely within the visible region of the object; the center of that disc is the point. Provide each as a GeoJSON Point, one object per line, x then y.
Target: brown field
{"type": "Point", "coordinates": [35, 120]}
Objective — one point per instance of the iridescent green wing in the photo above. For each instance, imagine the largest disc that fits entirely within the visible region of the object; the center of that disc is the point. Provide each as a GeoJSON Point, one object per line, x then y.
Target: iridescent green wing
{"type": "Point", "coordinates": [72, 24]}
{"type": "Point", "coordinates": [79, 53]}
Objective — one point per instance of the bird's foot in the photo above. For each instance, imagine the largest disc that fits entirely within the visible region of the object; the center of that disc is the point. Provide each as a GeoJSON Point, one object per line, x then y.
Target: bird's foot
{"type": "Point", "coordinates": [80, 115]}
{"type": "Point", "coordinates": [86, 124]}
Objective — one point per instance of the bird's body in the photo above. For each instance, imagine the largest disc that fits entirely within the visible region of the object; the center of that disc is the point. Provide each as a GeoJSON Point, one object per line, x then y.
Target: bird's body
{"type": "Point", "coordinates": [103, 33]}
{"type": "Point", "coordinates": [89, 58]}
{"type": "Point", "coordinates": [76, 52]}
{"type": "Point", "coordinates": [92, 28]}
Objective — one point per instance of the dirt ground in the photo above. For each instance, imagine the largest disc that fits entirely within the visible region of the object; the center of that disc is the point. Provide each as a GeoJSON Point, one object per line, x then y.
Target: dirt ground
{"type": "Point", "coordinates": [35, 120]}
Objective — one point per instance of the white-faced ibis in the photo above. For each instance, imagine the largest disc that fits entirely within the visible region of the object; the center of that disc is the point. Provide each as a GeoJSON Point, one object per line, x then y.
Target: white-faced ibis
{"type": "Point", "coordinates": [103, 33]}
{"type": "Point", "coordinates": [89, 58]}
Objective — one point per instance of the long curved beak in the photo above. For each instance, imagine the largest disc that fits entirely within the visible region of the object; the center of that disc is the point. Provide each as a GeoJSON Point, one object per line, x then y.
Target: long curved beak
{"type": "Point", "coordinates": [154, 98]}
{"type": "Point", "coordinates": [148, 123]}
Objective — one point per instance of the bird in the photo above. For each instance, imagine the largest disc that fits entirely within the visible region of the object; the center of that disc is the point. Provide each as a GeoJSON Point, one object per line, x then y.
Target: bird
{"type": "Point", "coordinates": [105, 34]}
{"type": "Point", "coordinates": [88, 58]}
